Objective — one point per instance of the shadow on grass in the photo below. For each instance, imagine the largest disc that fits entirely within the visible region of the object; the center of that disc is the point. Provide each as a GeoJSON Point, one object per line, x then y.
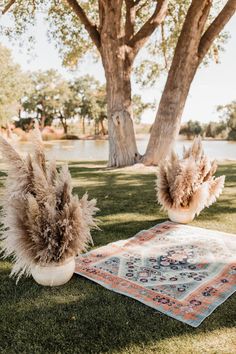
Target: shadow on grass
{"type": "Point", "coordinates": [229, 170]}
{"type": "Point", "coordinates": [83, 317]}
{"type": "Point", "coordinates": [120, 192]}
{"type": "Point", "coordinates": [99, 162]}
{"type": "Point", "coordinates": [111, 232]}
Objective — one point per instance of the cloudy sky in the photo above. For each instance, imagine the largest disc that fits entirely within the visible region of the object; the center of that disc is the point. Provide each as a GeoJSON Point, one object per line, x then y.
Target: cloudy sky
{"type": "Point", "coordinates": [213, 85]}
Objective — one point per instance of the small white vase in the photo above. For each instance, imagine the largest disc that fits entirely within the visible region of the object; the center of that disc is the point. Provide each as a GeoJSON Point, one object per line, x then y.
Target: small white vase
{"type": "Point", "coordinates": [54, 274]}
{"type": "Point", "coordinates": [181, 215]}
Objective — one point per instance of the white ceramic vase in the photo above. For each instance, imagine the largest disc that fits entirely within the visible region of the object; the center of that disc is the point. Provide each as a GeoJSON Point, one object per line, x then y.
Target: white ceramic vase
{"type": "Point", "coordinates": [181, 215]}
{"type": "Point", "coordinates": [54, 274]}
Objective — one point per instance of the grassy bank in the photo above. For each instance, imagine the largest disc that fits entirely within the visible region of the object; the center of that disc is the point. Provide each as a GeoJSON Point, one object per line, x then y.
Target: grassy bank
{"type": "Point", "coordinates": [83, 317]}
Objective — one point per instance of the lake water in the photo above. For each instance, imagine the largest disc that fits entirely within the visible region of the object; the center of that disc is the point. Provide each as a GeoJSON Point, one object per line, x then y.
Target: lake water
{"type": "Point", "coordinates": [74, 150]}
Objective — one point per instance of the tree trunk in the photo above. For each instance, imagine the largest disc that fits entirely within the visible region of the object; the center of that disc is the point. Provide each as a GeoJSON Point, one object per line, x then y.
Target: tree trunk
{"type": "Point", "coordinates": [65, 127]}
{"type": "Point", "coordinates": [63, 123]}
{"type": "Point", "coordinates": [42, 121]}
{"type": "Point", "coordinates": [96, 128]}
{"type": "Point", "coordinates": [117, 59]}
{"type": "Point", "coordinates": [83, 126]}
{"type": "Point", "coordinates": [168, 119]}
{"type": "Point", "coordinates": [103, 130]}
{"type": "Point", "coordinates": [122, 144]}
{"type": "Point", "coordinates": [183, 68]}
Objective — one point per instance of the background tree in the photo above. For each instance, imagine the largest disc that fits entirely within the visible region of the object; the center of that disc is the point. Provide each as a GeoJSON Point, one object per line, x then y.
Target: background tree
{"type": "Point", "coordinates": [101, 110]}
{"type": "Point", "coordinates": [228, 113]}
{"type": "Point", "coordinates": [217, 130]}
{"type": "Point", "coordinates": [12, 86]}
{"type": "Point", "coordinates": [118, 30]}
{"type": "Point", "coordinates": [191, 129]}
{"type": "Point", "coordinates": [49, 97]}
{"type": "Point", "coordinates": [90, 98]}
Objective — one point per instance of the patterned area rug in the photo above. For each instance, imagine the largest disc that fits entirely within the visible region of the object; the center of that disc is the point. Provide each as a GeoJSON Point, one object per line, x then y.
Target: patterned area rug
{"type": "Point", "coordinates": [182, 271]}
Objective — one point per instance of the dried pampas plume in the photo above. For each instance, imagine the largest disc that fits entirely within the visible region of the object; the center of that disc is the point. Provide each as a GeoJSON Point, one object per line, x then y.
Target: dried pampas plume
{"type": "Point", "coordinates": [188, 182]}
{"type": "Point", "coordinates": [44, 221]}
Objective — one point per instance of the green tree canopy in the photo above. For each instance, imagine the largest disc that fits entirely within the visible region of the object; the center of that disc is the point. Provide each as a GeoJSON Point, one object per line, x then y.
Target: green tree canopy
{"type": "Point", "coordinates": [228, 114]}
{"type": "Point", "coordinates": [48, 97]}
{"type": "Point", "coordinates": [13, 84]}
{"type": "Point", "coordinates": [191, 129]}
{"type": "Point", "coordinates": [73, 40]}
{"type": "Point", "coordinates": [216, 130]}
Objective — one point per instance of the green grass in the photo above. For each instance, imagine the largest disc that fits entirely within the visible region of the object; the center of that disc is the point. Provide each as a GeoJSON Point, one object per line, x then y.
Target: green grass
{"type": "Point", "coordinates": [83, 317]}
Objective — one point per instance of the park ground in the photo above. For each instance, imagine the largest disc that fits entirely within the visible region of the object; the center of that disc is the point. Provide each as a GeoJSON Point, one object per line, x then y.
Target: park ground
{"type": "Point", "coordinates": [83, 317]}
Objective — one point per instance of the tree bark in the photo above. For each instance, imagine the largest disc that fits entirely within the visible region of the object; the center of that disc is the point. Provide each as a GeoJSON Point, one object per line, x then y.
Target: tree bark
{"type": "Point", "coordinates": [103, 130]}
{"type": "Point", "coordinates": [183, 68]}
{"type": "Point", "coordinates": [122, 144]}
{"type": "Point", "coordinates": [168, 119]}
{"type": "Point", "coordinates": [117, 60]}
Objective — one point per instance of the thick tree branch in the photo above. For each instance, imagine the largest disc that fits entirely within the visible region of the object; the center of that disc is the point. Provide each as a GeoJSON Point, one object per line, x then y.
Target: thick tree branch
{"type": "Point", "coordinates": [111, 25]}
{"type": "Point", "coordinates": [8, 6]}
{"type": "Point", "coordinates": [91, 29]}
{"type": "Point", "coordinates": [101, 14]}
{"type": "Point", "coordinates": [130, 18]}
{"type": "Point", "coordinates": [149, 27]}
{"type": "Point", "coordinates": [216, 27]}
{"type": "Point", "coordinates": [164, 49]}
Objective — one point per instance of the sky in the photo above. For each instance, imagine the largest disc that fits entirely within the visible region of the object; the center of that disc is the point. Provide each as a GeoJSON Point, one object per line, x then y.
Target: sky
{"type": "Point", "coordinates": [212, 85]}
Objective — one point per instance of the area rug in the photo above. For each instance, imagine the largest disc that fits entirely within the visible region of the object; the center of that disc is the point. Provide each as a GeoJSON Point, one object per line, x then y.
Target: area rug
{"type": "Point", "coordinates": [182, 271]}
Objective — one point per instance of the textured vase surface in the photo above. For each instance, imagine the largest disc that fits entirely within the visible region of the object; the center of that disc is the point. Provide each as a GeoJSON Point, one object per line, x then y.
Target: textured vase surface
{"type": "Point", "coordinates": [54, 274]}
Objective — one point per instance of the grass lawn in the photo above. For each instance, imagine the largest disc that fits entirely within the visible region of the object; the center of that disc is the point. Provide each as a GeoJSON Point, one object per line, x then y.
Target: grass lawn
{"type": "Point", "coordinates": [83, 317]}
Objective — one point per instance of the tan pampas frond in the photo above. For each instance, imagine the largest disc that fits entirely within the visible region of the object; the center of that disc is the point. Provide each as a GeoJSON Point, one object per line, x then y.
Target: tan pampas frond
{"type": "Point", "coordinates": [211, 171]}
{"type": "Point", "coordinates": [9, 153]}
{"type": "Point", "coordinates": [163, 189]}
{"type": "Point", "coordinates": [44, 222]}
{"type": "Point", "coordinates": [216, 186]}
{"type": "Point", "coordinates": [39, 155]}
{"type": "Point", "coordinates": [185, 183]}
{"type": "Point", "coordinates": [16, 166]}
{"type": "Point", "coordinates": [188, 182]}
{"type": "Point", "coordinates": [52, 172]}
{"type": "Point", "coordinates": [173, 168]}
{"type": "Point", "coordinates": [196, 150]}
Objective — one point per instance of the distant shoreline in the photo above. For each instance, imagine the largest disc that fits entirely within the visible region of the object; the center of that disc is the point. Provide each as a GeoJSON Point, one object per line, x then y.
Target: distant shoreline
{"type": "Point", "coordinates": [72, 137]}
{"type": "Point", "coordinates": [138, 137]}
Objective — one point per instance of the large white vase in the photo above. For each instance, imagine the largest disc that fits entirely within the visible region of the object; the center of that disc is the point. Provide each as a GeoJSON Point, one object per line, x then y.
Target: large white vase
{"type": "Point", "coordinates": [54, 274]}
{"type": "Point", "coordinates": [181, 215]}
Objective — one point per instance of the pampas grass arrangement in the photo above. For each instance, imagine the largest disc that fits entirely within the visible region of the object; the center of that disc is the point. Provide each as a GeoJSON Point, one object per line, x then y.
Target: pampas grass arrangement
{"type": "Point", "coordinates": [45, 223]}
{"type": "Point", "coordinates": [188, 184]}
